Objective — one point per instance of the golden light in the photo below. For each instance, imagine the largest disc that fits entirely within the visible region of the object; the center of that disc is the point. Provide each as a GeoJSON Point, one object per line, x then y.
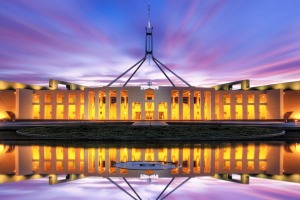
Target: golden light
{"type": "Point", "coordinates": [2, 115]}
{"type": "Point", "coordinates": [296, 116]}
{"type": "Point", "coordinates": [149, 172]}
{"type": "Point", "coordinates": [297, 147]}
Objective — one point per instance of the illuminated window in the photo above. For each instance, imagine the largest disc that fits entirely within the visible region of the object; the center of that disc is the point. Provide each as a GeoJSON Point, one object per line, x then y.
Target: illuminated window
{"type": "Point", "coordinates": [251, 111]}
{"type": "Point", "coordinates": [136, 154]}
{"type": "Point", "coordinates": [238, 112]}
{"type": "Point", "coordinates": [35, 152]}
{"type": "Point", "coordinates": [47, 153]}
{"type": "Point", "coordinates": [91, 160]}
{"type": "Point", "coordinates": [175, 105]}
{"type": "Point", "coordinates": [238, 152]}
{"type": "Point", "coordinates": [101, 160]}
{"type": "Point", "coordinates": [47, 166]}
{"type": "Point", "coordinates": [197, 156]}
{"type": "Point", "coordinates": [81, 98]}
{"type": "Point", "coordinates": [238, 165]}
{"type": "Point", "coordinates": [197, 105]}
{"type": "Point", "coordinates": [162, 110]}
{"type": "Point", "coordinates": [59, 166]}
{"type": "Point", "coordinates": [36, 111]}
{"type": "Point", "coordinates": [262, 98]}
{"type": "Point", "coordinates": [226, 98]}
{"type": "Point", "coordinates": [72, 112]}
{"type": "Point", "coordinates": [123, 155]}
{"type": "Point", "coordinates": [239, 98]}
{"type": "Point", "coordinates": [35, 165]}
{"type": "Point", "coordinates": [250, 151]}
{"type": "Point", "coordinates": [60, 112]}
{"type": "Point", "coordinates": [48, 112]}
{"type": "Point", "coordinates": [124, 105]}
{"type": "Point", "coordinates": [250, 165]}
{"type": "Point", "coordinates": [262, 165]}
{"type": "Point", "coordinates": [226, 165]}
{"type": "Point", "coordinates": [59, 153]}
{"type": "Point", "coordinates": [263, 111]}
{"type": "Point", "coordinates": [71, 153]}
{"type": "Point", "coordinates": [186, 105]}
{"type": "Point", "coordinates": [81, 150]}
{"type": "Point", "coordinates": [174, 159]}
{"type": "Point", "coordinates": [207, 105]}
{"type": "Point", "coordinates": [81, 166]}
{"type": "Point", "coordinates": [60, 98]}
{"type": "Point", "coordinates": [226, 152]}
{"type": "Point", "coordinates": [113, 104]}
{"type": "Point", "coordinates": [227, 111]}
{"type": "Point", "coordinates": [48, 98]}
{"type": "Point", "coordinates": [71, 165]}
{"type": "Point", "coordinates": [186, 161]}
{"type": "Point", "coordinates": [149, 94]}
{"type": "Point", "coordinates": [250, 98]}
{"type": "Point", "coordinates": [262, 151]}
{"type": "Point", "coordinates": [112, 160]}
{"type": "Point", "coordinates": [36, 98]}
{"type": "Point", "coordinates": [149, 154]}
{"type": "Point", "coordinates": [91, 105]}
{"type": "Point", "coordinates": [72, 98]}
{"type": "Point", "coordinates": [207, 160]}
{"type": "Point", "coordinates": [136, 110]}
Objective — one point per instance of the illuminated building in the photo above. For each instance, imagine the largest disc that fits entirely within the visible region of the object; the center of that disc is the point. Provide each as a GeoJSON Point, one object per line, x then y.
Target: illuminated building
{"type": "Point", "coordinates": [77, 102]}
{"type": "Point", "coordinates": [199, 160]}
{"type": "Point", "coordinates": [161, 103]}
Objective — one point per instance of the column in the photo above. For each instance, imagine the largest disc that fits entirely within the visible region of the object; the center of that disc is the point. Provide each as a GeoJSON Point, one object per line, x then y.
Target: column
{"type": "Point", "coordinates": [180, 102]}
{"type": "Point", "coordinates": [202, 104]}
{"type": "Point", "coordinates": [86, 104]}
{"type": "Point", "coordinates": [96, 104]}
{"type": "Point", "coordinates": [118, 109]}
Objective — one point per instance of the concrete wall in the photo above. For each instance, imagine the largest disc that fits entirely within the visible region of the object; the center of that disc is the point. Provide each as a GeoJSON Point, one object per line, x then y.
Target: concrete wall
{"type": "Point", "coordinates": [7, 103]}
{"type": "Point", "coordinates": [292, 103]}
{"type": "Point", "coordinates": [275, 163]}
{"type": "Point", "coordinates": [275, 104]}
{"type": "Point", "coordinates": [24, 104]}
{"type": "Point", "coordinates": [23, 160]}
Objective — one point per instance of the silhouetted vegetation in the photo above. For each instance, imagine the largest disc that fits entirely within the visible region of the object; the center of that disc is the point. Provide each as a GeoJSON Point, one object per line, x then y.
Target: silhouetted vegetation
{"type": "Point", "coordinates": [125, 132]}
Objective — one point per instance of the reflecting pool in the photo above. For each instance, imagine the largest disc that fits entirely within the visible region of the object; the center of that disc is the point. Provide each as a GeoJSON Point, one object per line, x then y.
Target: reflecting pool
{"type": "Point", "coordinates": [214, 166]}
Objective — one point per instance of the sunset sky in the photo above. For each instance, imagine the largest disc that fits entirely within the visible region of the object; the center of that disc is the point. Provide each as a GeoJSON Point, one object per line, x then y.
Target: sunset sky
{"type": "Point", "coordinates": [206, 42]}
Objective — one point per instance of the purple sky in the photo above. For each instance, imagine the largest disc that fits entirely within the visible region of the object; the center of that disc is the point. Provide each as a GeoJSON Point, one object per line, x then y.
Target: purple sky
{"type": "Point", "coordinates": [205, 188]}
{"type": "Point", "coordinates": [206, 42]}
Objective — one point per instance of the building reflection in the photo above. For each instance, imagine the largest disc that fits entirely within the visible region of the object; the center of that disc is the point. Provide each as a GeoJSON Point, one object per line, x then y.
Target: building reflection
{"type": "Point", "coordinates": [199, 160]}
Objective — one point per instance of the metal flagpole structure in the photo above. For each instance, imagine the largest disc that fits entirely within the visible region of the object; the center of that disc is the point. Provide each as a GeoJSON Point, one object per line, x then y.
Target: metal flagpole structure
{"type": "Point", "coordinates": [148, 54]}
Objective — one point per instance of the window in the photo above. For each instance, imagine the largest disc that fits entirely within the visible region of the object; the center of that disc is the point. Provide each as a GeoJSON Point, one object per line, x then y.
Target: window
{"type": "Point", "coordinates": [72, 98]}
{"type": "Point", "coordinates": [226, 98]}
{"type": "Point", "coordinates": [149, 94]}
{"type": "Point", "coordinates": [48, 98]}
{"type": "Point", "coordinates": [36, 98]}
{"type": "Point", "coordinates": [250, 98]}
{"type": "Point", "coordinates": [60, 98]}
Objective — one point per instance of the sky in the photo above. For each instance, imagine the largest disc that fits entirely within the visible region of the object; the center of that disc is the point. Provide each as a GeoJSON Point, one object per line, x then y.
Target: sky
{"type": "Point", "coordinates": [100, 188]}
{"type": "Point", "coordinates": [206, 42]}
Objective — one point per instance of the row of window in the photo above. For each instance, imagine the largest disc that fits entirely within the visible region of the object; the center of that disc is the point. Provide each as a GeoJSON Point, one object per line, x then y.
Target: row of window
{"type": "Point", "coordinates": [60, 98]}
{"type": "Point", "coordinates": [239, 98]}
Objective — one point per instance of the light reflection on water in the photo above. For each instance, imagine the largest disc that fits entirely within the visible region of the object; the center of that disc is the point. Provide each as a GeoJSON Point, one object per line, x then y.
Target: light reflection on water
{"type": "Point", "coordinates": [274, 161]}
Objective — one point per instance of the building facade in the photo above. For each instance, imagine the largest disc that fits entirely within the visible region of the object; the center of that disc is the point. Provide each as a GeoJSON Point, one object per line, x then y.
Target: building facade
{"type": "Point", "coordinates": [132, 103]}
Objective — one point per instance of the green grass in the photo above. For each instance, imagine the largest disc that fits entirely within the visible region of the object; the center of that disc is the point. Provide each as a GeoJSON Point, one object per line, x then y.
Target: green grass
{"type": "Point", "coordinates": [125, 132]}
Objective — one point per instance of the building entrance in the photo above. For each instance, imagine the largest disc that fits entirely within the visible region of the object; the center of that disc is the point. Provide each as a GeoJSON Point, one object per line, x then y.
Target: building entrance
{"type": "Point", "coordinates": [149, 115]}
{"type": "Point", "coordinates": [149, 110]}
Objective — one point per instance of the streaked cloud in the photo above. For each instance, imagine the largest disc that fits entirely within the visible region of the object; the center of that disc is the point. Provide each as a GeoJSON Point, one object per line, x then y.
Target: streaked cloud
{"type": "Point", "coordinates": [205, 42]}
